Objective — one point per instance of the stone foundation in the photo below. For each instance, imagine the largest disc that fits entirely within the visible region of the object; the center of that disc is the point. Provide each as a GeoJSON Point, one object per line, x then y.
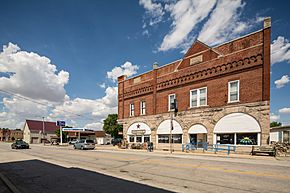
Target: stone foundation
{"type": "Point", "coordinates": [208, 117]}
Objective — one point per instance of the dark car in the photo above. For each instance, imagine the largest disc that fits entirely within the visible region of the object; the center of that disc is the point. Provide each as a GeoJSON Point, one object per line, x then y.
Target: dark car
{"type": "Point", "coordinates": [19, 144]}
{"type": "Point", "coordinates": [116, 141]}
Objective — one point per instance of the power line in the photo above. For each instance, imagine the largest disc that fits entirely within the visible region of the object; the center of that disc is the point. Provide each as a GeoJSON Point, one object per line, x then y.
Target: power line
{"type": "Point", "coordinates": [43, 104]}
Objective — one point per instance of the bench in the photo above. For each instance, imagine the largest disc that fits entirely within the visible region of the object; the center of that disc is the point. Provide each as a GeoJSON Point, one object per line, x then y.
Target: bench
{"type": "Point", "coordinates": [264, 149]}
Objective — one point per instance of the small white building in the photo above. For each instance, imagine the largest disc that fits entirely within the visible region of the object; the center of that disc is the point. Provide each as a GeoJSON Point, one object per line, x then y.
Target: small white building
{"type": "Point", "coordinates": [36, 131]}
{"type": "Point", "coordinates": [280, 134]}
{"type": "Point", "coordinates": [102, 138]}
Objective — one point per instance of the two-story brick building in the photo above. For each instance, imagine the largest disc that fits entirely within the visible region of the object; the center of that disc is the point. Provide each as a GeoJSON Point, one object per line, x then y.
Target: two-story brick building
{"type": "Point", "coordinates": [223, 96]}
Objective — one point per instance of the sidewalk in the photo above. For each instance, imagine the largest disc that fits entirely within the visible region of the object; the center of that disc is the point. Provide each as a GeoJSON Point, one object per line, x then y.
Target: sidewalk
{"type": "Point", "coordinates": [179, 154]}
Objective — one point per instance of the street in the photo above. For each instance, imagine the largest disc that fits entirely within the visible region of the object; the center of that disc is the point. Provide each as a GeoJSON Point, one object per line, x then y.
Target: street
{"type": "Point", "coordinates": [62, 169]}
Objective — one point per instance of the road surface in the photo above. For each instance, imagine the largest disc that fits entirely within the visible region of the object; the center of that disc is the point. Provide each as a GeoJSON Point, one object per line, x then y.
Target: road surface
{"type": "Point", "coordinates": [62, 169]}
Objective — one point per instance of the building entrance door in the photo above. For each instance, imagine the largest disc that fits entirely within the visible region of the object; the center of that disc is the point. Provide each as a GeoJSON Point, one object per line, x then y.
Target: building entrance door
{"type": "Point", "coordinates": [193, 138]}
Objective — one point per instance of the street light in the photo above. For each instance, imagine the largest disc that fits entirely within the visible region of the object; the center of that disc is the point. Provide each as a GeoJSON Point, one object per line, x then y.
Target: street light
{"type": "Point", "coordinates": [175, 108]}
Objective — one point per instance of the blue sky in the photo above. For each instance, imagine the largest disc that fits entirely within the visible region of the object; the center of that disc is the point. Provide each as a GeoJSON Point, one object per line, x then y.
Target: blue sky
{"type": "Point", "coordinates": [62, 58]}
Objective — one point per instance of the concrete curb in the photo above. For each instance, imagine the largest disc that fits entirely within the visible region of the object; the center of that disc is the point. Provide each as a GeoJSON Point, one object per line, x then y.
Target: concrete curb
{"type": "Point", "coordinates": [9, 184]}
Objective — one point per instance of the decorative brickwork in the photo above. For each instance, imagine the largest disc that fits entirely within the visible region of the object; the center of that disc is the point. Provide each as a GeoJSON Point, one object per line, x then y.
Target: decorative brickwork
{"type": "Point", "coordinates": [246, 59]}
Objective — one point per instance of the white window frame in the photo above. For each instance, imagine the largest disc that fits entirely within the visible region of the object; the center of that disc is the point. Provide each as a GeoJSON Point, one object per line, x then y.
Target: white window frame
{"type": "Point", "coordinates": [169, 101]}
{"type": "Point", "coordinates": [198, 97]}
{"type": "Point", "coordinates": [229, 91]}
{"type": "Point", "coordinates": [235, 140]}
{"type": "Point", "coordinates": [132, 110]}
{"type": "Point", "coordinates": [141, 108]}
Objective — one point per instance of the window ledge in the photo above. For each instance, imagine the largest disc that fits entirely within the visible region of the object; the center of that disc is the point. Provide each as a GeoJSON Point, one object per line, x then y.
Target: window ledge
{"type": "Point", "coordinates": [233, 102]}
{"type": "Point", "coordinates": [203, 106]}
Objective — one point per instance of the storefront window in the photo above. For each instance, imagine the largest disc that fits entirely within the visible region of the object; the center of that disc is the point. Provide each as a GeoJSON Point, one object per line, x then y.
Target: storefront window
{"type": "Point", "coordinates": [163, 138]}
{"type": "Point", "coordinates": [146, 138]}
{"type": "Point", "coordinates": [227, 138]}
{"type": "Point", "coordinates": [131, 138]}
{"type": "Point", "coordinates": [247, 139]}
{"type": "Point", "coordinates": [138, 139]}
{"type": "Point", "coordinates": [177, 138]}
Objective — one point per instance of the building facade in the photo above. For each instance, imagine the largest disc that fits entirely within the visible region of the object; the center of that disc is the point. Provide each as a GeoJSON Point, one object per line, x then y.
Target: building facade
{"type": "Point", "coordinates": [222, 92]}
{"type": "Point", "coordinates": [38, 131]}
{"type": "Point", "coordinates": [280, 134]}
{"type": "Point", "coordinates": [10, 134]}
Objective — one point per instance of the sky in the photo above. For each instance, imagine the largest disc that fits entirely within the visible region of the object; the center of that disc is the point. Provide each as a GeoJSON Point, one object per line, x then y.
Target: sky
{"type": "Point", "coordinates": [60, 59]}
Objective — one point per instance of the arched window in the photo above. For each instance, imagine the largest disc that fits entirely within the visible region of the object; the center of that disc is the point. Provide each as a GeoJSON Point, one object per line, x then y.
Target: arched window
{"type": "Point", "coordinates": [139, 133]}
{"type": "Point", "coordinates": [163, 132]}
{"type": "Point", "coordinates": [237, 129]}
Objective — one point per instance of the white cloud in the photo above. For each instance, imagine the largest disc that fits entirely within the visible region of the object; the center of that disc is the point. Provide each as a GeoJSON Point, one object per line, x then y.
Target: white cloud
{"type": "Point", "coordinates": [284, 110]}
{"type": "Point", "coordinates": [32, 75]}
{"type": "Point", "coordinates": [95, 126]}
{"type": "Point", "coordinates": [102, 85]}
{"type": "Point", "coordinates": [185, 15]}
{"type": "Point", "coordinates": [89, 109]}
{"type": "Point", "coordinates": [18, 109]}
{"type": "Point", "coordinates": [282, 82]}
{"type": "Point", "coordinates": [153, 10]}
{"type": "Point", "coordinates": [223, 23]}
{"type": "Point", "coordinates": [280, 50]}
{"type": "Point", "coordinates": [274, 117]}
{"type": "Point", "coordinates": [40, 92]}
{"type": "Point", "coordinates": [127, 69]}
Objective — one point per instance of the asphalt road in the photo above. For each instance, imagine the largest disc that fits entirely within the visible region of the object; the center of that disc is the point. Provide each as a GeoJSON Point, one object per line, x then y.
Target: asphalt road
{"type": "Point", "coordinates": [53, 169]}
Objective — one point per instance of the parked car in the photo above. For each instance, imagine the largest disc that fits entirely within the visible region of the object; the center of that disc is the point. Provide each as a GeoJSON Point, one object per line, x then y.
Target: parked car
{"type": "Point", "coordinates": [19, 144]}
{"type": "Point", "coordinates": [116, 141]}
{"type": "Point", "coordinates": [84, 144]}
{"type": "Point", "coordinates": [72, 142]}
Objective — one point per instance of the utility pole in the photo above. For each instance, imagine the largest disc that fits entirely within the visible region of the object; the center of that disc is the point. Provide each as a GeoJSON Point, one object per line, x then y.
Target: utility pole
{"type": "Point", "coordinates": [43, 131]}
{"type": "Point", "coordinates": [60, 134]}
{"type": "Point", "coordinates": [171, 128]}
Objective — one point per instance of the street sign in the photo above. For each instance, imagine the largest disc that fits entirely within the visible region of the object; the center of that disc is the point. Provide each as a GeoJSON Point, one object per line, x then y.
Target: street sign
{"type": "Point", "coordinates": [60, 123]}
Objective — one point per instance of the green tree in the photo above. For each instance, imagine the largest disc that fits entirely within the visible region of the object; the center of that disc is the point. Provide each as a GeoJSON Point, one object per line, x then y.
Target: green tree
{"type": "Point", "coordinates": [64, 134]}
{"type": "Point", "coordinates": [275, 124]}
{"type": "Point", "coordinates": [111, 126]}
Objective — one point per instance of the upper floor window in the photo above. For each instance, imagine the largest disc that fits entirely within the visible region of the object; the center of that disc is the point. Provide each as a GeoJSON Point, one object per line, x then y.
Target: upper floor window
{"type": "Point", "coordinates": [131, 109]}
{"type": "Point", "coordinates": [142, 108]}
{"type": "Point", "coordinates": [198, 97]}
{"type": "Point", "coordinates": [233, 91]}
{"type": "Point", "coordinates": [171, 98]}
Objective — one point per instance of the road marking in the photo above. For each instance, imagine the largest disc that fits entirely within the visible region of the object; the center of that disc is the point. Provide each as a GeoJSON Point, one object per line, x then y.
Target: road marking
{"type": "Point", "coordinates": [212, 168]}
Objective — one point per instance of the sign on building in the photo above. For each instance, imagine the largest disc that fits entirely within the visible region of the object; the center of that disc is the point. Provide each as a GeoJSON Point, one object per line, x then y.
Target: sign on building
{"type": "Point", "coordinates": [60, 123]}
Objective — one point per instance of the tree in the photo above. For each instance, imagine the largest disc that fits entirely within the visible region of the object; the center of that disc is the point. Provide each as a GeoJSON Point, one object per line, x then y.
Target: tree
{"type": "Point", "coordinates": [275, 124]}
{"type": "Point", "coordinates": [64, 134]}
{"type": "Point", "coordinates": [111, 126]}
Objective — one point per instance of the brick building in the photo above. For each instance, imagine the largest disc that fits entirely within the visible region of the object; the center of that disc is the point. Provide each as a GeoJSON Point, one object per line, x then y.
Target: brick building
{"type": "Point", "coordinates": [10, 134]}
{"type": "Point", "coordinates": [223, 96]}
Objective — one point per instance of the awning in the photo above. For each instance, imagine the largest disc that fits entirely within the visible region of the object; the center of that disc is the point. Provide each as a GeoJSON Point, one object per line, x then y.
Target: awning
{"type": "Point", "coordinates": [237, 123]}
{"type": "Point", "coordinates": [165, 126]}
{"type": "Point", "coordinates": [197, 128]}
{"type": "Point", "coordinates": [139, 128]}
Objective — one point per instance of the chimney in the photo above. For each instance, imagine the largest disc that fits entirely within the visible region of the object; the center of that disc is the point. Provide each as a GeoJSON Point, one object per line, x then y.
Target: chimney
{"type": "Point", "coordinates": [122, 78]}
{"type": "Point", "coordinates": [155, 65]}
{"type": "Point", "coordinates": [267, 22]}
